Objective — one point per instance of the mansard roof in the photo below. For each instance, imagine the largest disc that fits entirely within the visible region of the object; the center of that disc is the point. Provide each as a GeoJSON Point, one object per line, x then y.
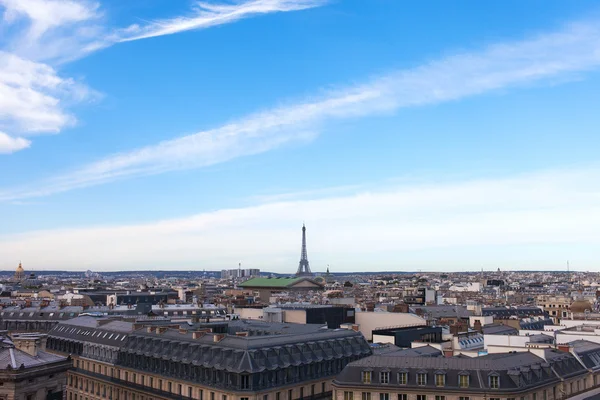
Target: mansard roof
{"type": "Point", "coordinates": [93, 330]}
{"type": "Point", "coordinates": [247, 353]}
{"type": "Point", "coordinates": [516, 371]}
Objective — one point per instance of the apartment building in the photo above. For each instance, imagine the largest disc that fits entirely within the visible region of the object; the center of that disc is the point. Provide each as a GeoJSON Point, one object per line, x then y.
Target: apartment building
{"type": "Point", "coordinates": [118, 360]}
{"type": "Point", "coordinates": [546, 374]}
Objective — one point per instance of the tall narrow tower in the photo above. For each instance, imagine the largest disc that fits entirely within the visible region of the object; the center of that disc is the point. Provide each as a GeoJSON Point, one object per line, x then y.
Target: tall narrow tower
{"type": "Point", "coordinates": [303, 267]}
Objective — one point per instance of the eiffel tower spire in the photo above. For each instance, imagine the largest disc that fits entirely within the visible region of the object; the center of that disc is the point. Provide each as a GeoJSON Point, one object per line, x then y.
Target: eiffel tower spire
{"type": "Point", "coordinates": [303, 267]}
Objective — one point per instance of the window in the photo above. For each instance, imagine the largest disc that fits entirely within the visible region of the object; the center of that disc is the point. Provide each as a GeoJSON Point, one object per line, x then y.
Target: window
{"type": "Point", "coordinates": [464, 398]}
{"type": "Point", "coordinates": [151, 382]}
{"type": "Point", "coordinates": [266, 397]}
{"type": "Point", "coordinates": [366, 395]}
{"type": "Point", "coordinates": [494, 382]}
{"type": "Point", "coordinates": [384, 377]}
{"type": "Point", "coordinates": [212, 395]}
{"type": "Point", "coordinates": [442, 398]}
{"type": "Point", "coordinates": [245, 382]}
{"type": "Point", "coordinates": [170, 386]}
{"type": "Point", "coordinates": [463, 381]}
{"type": "Point", "coordinates": [403, 396]}
{"type": "Point", "coordinates": [421, 379]}
{"type": "Point", "coordinates": [301, 392]}
{"type": "Point", "coordinates": [366, 377]}
{"type": "Point", "coordinates": [190, 391]}
{"type": "Point", "coordinates": [348, 395]}
{"type": "Point", "coordinates": [224, 397]}
{"type": "Point", "coordinates": [421, 397]}
{"type": "Point", "coordinates": [278, 396]}
{"type": "Point", "coordinates": [440, 380]}
{"type": "Point", "coordinates": [535, 396]}
{"type": "Point", "coordinates": [384, 396]}
{"type": "Point", "coordinates": [179, 389]}
{"type": "Point", "coordinates": [290, 395]}
{"type": "Point", "coordinates": [402, 378]}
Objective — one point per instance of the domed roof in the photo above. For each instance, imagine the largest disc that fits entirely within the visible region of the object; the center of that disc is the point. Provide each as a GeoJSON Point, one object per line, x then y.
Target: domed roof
{"type": "Point", "coordinates": [20, 268]}
{"type": "Point", "coordinates": [580, 306]}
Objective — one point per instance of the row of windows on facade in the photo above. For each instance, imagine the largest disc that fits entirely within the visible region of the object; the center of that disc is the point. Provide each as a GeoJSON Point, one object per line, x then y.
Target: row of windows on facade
{"type": "Point", "coordinates": [421, 379]}
{"type": "Point", "coordinates": [574, 387]}
{"type": "Point", "coordinates": [243, 381]}
{"type": "Point", "coordinates": [106, 391]}
{"type": "Point", "coordinates": [404, 396]}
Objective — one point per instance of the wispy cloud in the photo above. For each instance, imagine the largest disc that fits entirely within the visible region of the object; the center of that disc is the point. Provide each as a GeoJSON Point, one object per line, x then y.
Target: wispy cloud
{"type": "Point", "coordinates": [426, 225]}
{"type": "Point", "coordinates": [65, 30]}
{"type": "Point", "coordinates": [40, 34]}
{"type": "Point", "coordinates": [209, 14]}
{"type": "Point", "coordinates": [574, 49]}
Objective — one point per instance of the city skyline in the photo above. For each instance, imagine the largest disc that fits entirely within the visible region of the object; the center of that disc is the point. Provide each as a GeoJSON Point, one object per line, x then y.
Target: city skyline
{"type": "Point", "coordinates": [198, 134]}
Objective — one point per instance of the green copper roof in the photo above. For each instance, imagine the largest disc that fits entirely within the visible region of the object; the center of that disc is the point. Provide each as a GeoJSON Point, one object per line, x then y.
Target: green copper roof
{"type": "Point", "coordinates": [270, 282]}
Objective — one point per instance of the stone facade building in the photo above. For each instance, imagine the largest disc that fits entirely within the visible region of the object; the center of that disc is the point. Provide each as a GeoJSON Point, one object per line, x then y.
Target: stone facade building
{"type": "Point", "coordinates": [28, 372]}
{"type": "Point", "coordinates": [540, 374]}
{"type": "Point", "coordinates": [237, 360]}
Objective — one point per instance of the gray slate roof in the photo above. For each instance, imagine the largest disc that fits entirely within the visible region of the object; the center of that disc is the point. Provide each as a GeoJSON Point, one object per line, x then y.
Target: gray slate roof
{"type": "Point", "coordinates": [15, 358]}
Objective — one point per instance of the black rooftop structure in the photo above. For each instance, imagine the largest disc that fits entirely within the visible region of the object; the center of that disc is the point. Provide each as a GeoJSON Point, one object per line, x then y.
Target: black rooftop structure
{"type": "Point", "coordinates": [242, 355]}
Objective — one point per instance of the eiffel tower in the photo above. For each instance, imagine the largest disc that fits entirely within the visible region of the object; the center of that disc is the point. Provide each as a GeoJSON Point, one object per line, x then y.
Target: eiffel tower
{"type": "Point", "coordinates": [303, 267]}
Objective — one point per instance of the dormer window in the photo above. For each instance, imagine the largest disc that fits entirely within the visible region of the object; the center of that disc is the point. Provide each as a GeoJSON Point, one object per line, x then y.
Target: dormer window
{"type": "Point", "coordinates": [402, 378]}
{"type": "Point", "coordinates": [422, 378]}
{"type": "Point", "coordinates": [494, 381]}
{"type": "Point", "coordinates": [463, 380]}
{"type": "Point", "coordinates": [440, 379]}
{"type": "Point", "coordinates": [366, 377]}
{"type": "Point", "coordinates": [384, 377]}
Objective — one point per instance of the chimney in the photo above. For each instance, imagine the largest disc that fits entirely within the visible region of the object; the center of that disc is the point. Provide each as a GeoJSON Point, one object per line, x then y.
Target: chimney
{"type": "Point", "coordinates": [161, 329]}
{"type": "Point", "coordinates": [200, 333]}
{"type": "Point", "coordinates": [448, 353]}
{"type": "Point", "coordinates": [183, 331]}
{"type": "Point", "coordinates": [217, 337]}
{"type": "Point", "coordinates": [149, 329]}
{"type": "Point", "coordinates": [477, 326]}
{"type": "Point", "coordinates": [30, 344]}
{"type": "Point", "coordinates": [241, 334]}
{"type": "Point", "coordinates": [564, 347]}
{"type": "Point", "coordinates": [355, 327]}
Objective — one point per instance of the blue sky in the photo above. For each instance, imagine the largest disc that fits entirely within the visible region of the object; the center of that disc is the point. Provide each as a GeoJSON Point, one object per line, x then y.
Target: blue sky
{"type": "Point", "coordinates": [195, 135]}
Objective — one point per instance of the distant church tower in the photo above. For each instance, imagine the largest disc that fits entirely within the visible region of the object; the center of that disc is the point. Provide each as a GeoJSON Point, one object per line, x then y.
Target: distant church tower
{"type": "Point", "coordinates": [19, 273]}
{"type": "Point", "coordinates": [303, 267]}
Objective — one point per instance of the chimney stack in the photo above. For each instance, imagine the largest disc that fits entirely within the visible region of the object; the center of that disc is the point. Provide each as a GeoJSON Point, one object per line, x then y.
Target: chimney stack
{"type": "Point", "coordinates": [30, 344]}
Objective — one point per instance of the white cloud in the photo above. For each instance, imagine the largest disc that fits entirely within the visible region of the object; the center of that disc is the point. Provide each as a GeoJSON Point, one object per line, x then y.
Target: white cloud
{"type": "Point", "coordinates": [576, 48]}
{"type": "Point", "coordinates": [395, 227]}
{"type": "Point", "coordinates": [64, 30]}
{"type": "Point", "coordinates": [33, 96]}
{"type": "Point", "coordinates": [208, 14]}
{"type": "Point", "coordinates": [10, 144]}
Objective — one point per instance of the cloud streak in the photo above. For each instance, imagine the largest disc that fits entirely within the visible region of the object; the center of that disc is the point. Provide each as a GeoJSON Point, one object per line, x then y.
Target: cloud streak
{"type": "Point", "coordinates": [574, 49]}
{"type": "Point", "coordinates": [206, 15]}
{"type": "Point", "coordinates": [414, 226]}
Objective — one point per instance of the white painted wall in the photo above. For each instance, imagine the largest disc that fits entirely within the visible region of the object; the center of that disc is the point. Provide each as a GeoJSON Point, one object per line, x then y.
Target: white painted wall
{"type": "Point", "coordinates": [370, 321]}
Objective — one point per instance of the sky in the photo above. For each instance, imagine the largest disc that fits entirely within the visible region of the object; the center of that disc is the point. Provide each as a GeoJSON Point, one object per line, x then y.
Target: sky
{"type": "Point", "coordinates": [197, 135]}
